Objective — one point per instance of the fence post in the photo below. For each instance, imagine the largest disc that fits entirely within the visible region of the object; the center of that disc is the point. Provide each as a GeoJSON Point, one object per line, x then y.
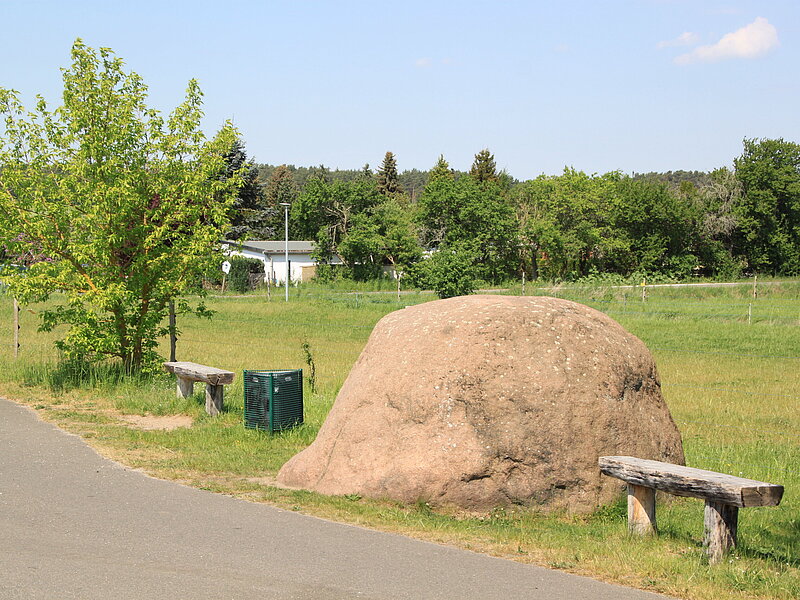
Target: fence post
{"type": "Point", "coordinates": [523, 282]}
{"type": "Point", "coordinates": [750, 313]}
{"type": "Point", "coordinates": [16, 328]}
{"type": "Point", "coordinates": [173, 332]}
{"type": "Point", "coordinates": [755, 290]}
{"type": "Point", "coordinates": [644, 290]}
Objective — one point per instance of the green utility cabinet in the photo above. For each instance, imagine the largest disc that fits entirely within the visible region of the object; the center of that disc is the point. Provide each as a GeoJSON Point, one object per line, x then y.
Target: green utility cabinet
{"type": "Point", "coordinates": [273, 400]}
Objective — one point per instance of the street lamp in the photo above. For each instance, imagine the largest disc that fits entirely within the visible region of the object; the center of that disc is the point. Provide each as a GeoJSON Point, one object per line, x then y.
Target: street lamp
{"type": "Point", "coordinates": [285, 206]}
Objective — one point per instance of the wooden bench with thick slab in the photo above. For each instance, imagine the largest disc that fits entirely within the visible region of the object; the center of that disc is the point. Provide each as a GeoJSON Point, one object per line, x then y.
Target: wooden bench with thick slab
{"type": "Point", "coordinates": [724, 496]}
{"type": "Point", "coordinates": [189, 372]}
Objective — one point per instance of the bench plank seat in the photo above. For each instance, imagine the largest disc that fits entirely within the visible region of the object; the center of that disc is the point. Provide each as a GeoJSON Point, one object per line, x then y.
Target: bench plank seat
{"type": "Point", "coordinates": [189, 372]}
{"type": "Point", "coordinates": [691, 482]}
{"type": "Point", "coordinates": [724, 496]}
{"type": "Point", "coordinates": [196, 372]}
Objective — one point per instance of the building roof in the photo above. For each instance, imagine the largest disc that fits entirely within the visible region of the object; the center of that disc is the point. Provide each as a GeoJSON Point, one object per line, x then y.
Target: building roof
{"type": "Point", "coordinates": [269, 248]}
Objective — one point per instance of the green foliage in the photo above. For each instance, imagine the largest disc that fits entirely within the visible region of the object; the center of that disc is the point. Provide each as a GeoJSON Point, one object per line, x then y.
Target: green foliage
{"type": "Point", "coordinates": [251, 216]}
{"type": "Point", "coordinates": [312, 367]}
{"type": "Point", "coordinates": [325, 210]}
{"type": "Point", "coordinates": [484, 168]}
{"type": "Point", "coordinates": [563, 223]}
{"type": "Point", "coordinates": [650, 230]}
{"type": "Point", "coordinates": [127, 206]}
{"type": "Point", "coordinates": [472, 215]}
{"type": "Point", "coordinates": [384, 233]}
{"type": "Point", "coordinates": [413, 181]}
{"type": "Point", "coordinates": [280, 188]}
{"type": "Point", "coordinates": [450, 272]}
{"type": "Point", "coordinates": [353, 221]}
{"type": "Point", "coordinates": [242, 267]}
{"type": "Point", "coordinates": [441, 170]}
{"type": "Point", "coordinates": [768, 215]}
{"type": "Point", "coordinates": [711, 362]}
{"type": "Point", "coordinates": [677, 224]}
{"type": "Point", "coordinates": [388, 182]}
{"type": "Point", "coordinates": [574, 224]}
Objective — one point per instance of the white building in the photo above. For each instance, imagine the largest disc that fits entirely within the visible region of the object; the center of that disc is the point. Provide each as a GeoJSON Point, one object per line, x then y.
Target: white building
{"type": "Point", "coordinates": [272, 254]}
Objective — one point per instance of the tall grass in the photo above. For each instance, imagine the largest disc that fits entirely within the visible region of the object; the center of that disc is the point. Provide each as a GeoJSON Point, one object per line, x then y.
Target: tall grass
{"type": "Point", "coordinates": [727, 360]}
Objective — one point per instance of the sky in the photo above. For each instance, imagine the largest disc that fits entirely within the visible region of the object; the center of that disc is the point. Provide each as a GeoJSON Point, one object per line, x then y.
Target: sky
{"type": "Point", "coordinates": [628, 85]}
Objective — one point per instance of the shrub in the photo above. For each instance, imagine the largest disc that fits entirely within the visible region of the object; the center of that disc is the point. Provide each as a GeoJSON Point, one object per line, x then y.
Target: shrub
{"type": "Point", "coordinates": [241, 269]}
{"type": "Point", "coordinates": [449, 272]}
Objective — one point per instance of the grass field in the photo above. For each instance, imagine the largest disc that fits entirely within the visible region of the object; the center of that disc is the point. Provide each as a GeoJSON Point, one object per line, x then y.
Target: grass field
{"type": "Point", "coordinates": [728, 364]}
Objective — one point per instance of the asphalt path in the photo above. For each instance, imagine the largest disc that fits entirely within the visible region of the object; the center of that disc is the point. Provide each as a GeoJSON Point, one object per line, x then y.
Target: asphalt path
{"type": "Point", "coordinates": [76, 525]}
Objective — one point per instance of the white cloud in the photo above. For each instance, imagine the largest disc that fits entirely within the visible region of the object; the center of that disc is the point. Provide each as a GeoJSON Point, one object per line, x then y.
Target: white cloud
{"type": "Point", "coordinates": [751, 41]}
{"type": "Point", "coordinates": [423, 63]}
{"type": "Point", "coordinates": [687, 38]}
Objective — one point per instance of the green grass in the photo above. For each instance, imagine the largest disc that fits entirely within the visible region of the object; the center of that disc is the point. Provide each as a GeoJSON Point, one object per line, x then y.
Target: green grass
{"type": "Point", "coordinates": [728, 365]}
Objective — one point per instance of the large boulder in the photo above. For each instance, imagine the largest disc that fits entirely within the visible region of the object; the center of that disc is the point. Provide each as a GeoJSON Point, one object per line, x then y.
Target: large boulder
{"type": "Point", "coordinates": [481, 401]}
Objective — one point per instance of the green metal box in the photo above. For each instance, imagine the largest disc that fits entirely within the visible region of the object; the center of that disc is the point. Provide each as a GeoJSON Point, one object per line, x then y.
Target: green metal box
{"type": "Point", "coordinates": [273, 400]}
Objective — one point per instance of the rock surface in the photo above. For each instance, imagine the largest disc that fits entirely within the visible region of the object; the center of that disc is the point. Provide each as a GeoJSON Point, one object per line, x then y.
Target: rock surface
{"type": "Point", "coordinates": [483, 401]}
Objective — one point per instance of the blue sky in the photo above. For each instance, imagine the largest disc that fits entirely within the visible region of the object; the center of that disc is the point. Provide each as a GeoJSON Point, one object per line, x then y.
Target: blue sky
{"type": "Point", "coordinates": [633, 85]}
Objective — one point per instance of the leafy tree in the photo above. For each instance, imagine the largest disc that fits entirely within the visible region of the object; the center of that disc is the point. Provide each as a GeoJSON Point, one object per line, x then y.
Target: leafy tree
{"type": "Point", "coordinates": [360, 248]}
{"type": "Point", "coordinates": [325, 212]}
{"type": "Point", "coordinates": [539, 233]}
{"type": "Point", "coordinates": [399, 245]}
{"type": "Point", "coordinates": [388, 181]}
{"type": "Point", "coordinates": [484, 168]}
{"type": "Point", "coordinates": [565, 222]}
{"type": "Point", "coordinates": [128, 206]}
{"type": "Point", "coordinates": [715, 205]}
{"type": "Point", "coordinates": [650, 230]}
{"type": "Point", "coordinates": [674, 179]}
{"type": "Point", "coordinates": [450, 272]}
{"type": "Point", "coordinates": [383, 233]}
{"type": "Point", "coordinates": [574, 224]}
{"type": "Point", "coordinates": [250, 218]}
{"type": "Point", "coordinates": [471, 214]}
{"type": "Point", "coordinates": [768, 216]}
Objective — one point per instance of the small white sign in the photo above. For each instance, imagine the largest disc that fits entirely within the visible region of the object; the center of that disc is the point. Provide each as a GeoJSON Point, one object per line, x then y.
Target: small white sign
{"type": "Point", "coordinates": [226, 267]}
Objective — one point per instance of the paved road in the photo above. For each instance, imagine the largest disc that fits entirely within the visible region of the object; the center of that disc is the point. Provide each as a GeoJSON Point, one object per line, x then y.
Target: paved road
{"type": "Point", "coordinates": [75, 525]}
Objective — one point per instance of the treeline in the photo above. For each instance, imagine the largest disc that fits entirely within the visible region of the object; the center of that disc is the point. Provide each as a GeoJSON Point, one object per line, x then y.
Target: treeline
{"type": "Point", "coordinates": [483, 224]}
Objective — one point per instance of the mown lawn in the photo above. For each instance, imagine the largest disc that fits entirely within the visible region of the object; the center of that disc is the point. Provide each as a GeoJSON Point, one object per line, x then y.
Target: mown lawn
{"type": "Point", "coordinates": [728, 364]}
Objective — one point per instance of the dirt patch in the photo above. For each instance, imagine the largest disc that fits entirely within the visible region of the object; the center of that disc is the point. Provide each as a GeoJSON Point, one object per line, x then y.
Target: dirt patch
{"type": "Point", "coordinates": [269, 481]}
{"type": "Point", "coordinates": [152, 423]}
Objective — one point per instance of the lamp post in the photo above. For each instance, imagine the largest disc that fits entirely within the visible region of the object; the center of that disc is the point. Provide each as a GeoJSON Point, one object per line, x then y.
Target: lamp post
{"type": "Point", "coordinates": [285, 206]}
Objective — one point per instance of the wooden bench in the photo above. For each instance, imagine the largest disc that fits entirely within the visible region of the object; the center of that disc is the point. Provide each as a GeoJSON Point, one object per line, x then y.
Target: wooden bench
{"type": "Point", "coordinates": [724, 496]}
{"type": "Point", "coordinates": [215, 379]}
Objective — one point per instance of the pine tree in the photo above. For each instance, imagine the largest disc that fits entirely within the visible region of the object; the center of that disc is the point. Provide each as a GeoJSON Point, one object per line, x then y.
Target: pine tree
{"type": "Point", "coordinates": [388, 181]}
{"type": "Point", "coordinates": [441, 170]}
{"type": "Point", "coordinates": [280, 187]}
{"type": "Point", "coordinates": [248, 213]}
{"type": "Point", "coordinates": [484, 168]}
